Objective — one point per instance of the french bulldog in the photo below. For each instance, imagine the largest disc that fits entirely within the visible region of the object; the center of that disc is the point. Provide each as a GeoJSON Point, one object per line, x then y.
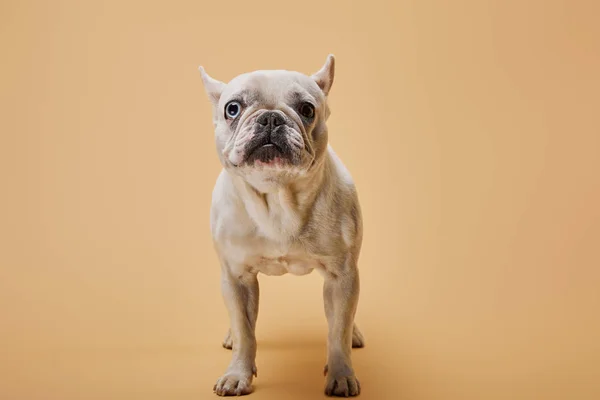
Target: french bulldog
{"type": "Point", "coordinates": [283, 203]}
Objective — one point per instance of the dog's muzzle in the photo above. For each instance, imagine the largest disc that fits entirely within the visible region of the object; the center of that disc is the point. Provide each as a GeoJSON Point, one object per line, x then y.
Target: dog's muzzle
{"type": "Point", "coordinates": [270, 139]}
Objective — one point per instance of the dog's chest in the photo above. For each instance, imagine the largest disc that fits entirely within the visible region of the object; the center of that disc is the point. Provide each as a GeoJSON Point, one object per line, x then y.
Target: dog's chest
{"type": "Point", "coordinates": [261, 235]}
{"type": "Point", "coordinates": [276, 255]}
{"type": "Point", "coordinates": [259, 253]}
{"type": "Point", "coordinates": [292, 264]}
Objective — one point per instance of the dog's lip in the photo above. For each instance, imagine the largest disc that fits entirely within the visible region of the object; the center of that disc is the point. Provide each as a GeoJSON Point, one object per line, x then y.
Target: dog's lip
{"type": "Point", "coordinates": [266, 145]}
{"type": "Point", "coordinates": [271, 145]}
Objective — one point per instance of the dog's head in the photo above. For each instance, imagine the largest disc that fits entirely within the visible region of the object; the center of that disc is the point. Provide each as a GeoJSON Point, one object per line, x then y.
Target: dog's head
{"type": "Point", "coordinates": [270, 126]}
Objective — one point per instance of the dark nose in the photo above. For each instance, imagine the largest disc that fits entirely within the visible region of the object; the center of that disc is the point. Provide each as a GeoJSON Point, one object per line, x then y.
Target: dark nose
{"type": "Point", "coordinates": [272, 118]}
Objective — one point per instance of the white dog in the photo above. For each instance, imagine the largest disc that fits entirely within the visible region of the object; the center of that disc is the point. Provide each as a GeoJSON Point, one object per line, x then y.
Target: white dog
{"type": "Point", "coordinates": [284, 202]}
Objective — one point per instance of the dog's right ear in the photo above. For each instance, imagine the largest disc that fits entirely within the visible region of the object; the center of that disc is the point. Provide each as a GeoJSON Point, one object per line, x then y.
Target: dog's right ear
{"type": "Point", "coordinates": [213, 87]}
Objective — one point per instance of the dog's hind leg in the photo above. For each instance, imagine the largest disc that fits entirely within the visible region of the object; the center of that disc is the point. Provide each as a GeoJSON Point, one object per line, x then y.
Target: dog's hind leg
{"type": "Point", "coordinates": [358, 340]}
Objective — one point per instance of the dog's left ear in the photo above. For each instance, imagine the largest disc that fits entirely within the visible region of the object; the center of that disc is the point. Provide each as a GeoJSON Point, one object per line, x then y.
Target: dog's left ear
{"type": "Point", "coordinates": [324, 77]}
{"type": "Point", "coordinates": [213, 87]}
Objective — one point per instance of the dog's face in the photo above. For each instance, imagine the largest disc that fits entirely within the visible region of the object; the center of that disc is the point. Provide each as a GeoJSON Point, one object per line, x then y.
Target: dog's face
{"type": "Point", "coordinates": [270, 126]}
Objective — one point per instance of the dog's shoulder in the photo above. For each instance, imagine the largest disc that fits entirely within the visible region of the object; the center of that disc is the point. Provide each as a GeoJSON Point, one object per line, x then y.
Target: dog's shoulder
{"type": "Point", "coordinates": [227, 212]}
{"type": "Point", "coordinates": [339, 169]}
{"type": "Point", "coordinates": [335, 221]}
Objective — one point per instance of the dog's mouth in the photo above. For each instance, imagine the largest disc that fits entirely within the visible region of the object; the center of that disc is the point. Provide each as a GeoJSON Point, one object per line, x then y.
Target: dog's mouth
{"type": "Point", "coordinates": [268, 153]}
{"type": "Point", "coordinates": [271, 147]}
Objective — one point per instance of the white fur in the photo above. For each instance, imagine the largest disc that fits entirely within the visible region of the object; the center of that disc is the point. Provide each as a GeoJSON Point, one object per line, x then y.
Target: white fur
{"type": "Point", "coordinates": [281, 218]}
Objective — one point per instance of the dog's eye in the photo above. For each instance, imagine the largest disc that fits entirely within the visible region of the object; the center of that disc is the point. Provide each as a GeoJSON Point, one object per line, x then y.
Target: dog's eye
{"type": "Point", "coordinates": [232, 109]}
{"type": "Point", "coordinates": [307, 110]}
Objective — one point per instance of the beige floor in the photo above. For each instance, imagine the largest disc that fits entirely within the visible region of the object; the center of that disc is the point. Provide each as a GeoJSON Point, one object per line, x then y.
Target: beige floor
{"type": "Point", "coordinates": [471, 129]}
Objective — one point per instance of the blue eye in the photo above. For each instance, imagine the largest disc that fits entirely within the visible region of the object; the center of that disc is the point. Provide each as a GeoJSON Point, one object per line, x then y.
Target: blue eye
{"type": "Point", "coordinates": [232, 109]}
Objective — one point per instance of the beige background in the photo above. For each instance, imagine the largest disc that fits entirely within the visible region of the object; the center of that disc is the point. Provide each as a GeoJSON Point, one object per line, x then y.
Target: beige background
{"type": "Point", "coordinates": [473, 134]}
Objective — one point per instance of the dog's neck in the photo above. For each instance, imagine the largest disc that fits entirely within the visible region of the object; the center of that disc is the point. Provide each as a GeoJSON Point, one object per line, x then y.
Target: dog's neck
{"type": "Point", "coordinates": [281, 209]}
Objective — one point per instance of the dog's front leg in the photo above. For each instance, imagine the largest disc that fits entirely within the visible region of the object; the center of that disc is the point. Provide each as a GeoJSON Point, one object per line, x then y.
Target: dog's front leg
{"type": "Point", "coordinates": [340, 294]}
{"type": "Point", "coordinates": [240, 292]}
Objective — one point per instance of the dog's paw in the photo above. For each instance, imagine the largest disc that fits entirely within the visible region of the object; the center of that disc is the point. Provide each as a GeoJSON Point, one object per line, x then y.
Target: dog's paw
{"type": "Point", "coordinates": [344, 386]}
{"type": "Point", "coordinates": [358, 340]}
{"type": "Point", "coordinates": [228, 341]}
{"type": "Point", "coordinates": [234, 384]}
{"type": "Point", "coordinates": [341, 383]}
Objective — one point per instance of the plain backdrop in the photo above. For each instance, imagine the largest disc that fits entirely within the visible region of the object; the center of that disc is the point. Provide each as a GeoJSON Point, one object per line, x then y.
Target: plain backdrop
{"type": "Point", "coordinates": [471, 129]}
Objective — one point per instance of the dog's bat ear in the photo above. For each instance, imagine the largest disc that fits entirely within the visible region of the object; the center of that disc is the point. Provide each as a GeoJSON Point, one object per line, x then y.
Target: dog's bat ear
{"type": "Point", "coordinates": [324, 77]}
{"type": "Point", "coordinates": [213, 87]}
